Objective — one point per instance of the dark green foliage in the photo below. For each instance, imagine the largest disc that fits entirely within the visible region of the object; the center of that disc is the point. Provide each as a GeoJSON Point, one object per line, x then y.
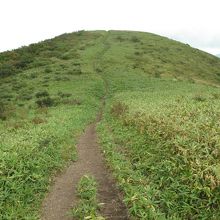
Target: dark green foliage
{"type": "Point", "coordinates": [44, 99]}
{"type": "Point", "coordinates": [157, 74]}
{"type": "Point", "coordinates": [80, 33]}
{"type": "Point", "coordinates": [216, 96]}
{"type": "Point", "coordinates": [24, 61]}
{"type": "Point", "coordinates": [63, 95]}
{"type": "Point", "coordinates": [42, 94]}
{"type": "Point", "coordinates": [2, 111]}
{"type": "Point", "coordinates": [18, 85]}
{"type": "Point", "coordinates": [6, 69]}
{"type": "Point", "coordinates": [66, 56]}
{"type": "Point", "coordinates": [47, 70]}
{"type": "Point", "coordinates": [7, 97]}
{"type": "Point", "coordinates": [71, 102]}
{"type": "Point", "coordinates": [32, 76]}
{"type": "Point", "coordinates": [25, 97]}
{"type": "Point", "coordinates": [118, 109]}
{"type": "Point", "coordinates": [120, 38]}
{"type": "Point", "coordinates": [34, 55]}
{"type": "Point", "coordinates": [165, 159]}
{"type": "Point", "coordinates": [45, 102]}
{"type": "Point", "coordinates": [135, 39]}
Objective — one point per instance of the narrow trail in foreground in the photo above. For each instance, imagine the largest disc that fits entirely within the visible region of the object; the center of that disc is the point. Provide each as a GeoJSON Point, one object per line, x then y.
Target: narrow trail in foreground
{"type": "Point", "coordinates": [62, 196]}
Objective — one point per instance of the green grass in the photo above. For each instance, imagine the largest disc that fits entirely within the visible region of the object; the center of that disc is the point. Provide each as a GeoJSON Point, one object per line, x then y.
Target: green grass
{"type": "Point", "coordinates": [88, 206]}
{"type": "Point", "coordinates": [37, 141]}
{"type": "Point", "coordinates": [161, 138]}
{"type": "Point", "coordinates": [163, 146]}
{"type": "Point", "coordinates": [160, 131]}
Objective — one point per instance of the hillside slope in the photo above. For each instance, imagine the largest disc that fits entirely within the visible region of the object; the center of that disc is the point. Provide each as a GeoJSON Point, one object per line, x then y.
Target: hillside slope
{"type": "Point", "coordinates": [153, 54]}
{"type": "Point", "coordinates": [160, 132]}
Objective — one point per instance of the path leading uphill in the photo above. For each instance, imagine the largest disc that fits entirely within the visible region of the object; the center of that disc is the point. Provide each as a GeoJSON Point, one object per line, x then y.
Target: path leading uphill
{"type": "Point", "coordinates": [90, 161]}
{"type": "Point", "coordinates": [63, 197]}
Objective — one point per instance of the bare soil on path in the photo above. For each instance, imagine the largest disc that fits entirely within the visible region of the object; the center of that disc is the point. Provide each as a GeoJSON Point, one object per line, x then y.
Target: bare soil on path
{"type": "Point", "coordinates": [62, 196]}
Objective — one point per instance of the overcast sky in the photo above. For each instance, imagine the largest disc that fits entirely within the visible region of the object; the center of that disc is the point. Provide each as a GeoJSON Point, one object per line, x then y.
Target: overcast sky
{"type": "Point", "coordinates": [195, 22]}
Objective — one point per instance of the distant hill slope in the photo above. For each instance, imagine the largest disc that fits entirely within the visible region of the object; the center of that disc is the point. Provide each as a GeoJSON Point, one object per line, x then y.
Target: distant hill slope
{"type": "Point", "coordinates": [218, 55]}
{"type": "Point", "coordinates": [153, 54]}
{"type": "Point", "coordinates": [160, 131]}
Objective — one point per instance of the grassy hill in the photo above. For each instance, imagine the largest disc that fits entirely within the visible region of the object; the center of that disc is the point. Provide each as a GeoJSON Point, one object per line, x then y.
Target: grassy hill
{"type": "Point", "coordinates": [160, 132]}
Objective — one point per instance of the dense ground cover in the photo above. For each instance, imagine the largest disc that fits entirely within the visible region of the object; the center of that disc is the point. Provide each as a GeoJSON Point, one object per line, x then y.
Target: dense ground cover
{"type": "Point", "coordinates": [43, 111]}
{"type": "Point", "coordinates": [160, 131]}
{"type": "Point", "coordinates": [88, 206]}
{"type": "Point", "coordinates": [169, 141]}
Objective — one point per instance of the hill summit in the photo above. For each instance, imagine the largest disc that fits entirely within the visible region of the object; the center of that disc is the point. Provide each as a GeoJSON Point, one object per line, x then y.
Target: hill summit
{"type": "Point", "coordinates": [147, 109]}
{"type": "Point", "coordinates": [150, 53]}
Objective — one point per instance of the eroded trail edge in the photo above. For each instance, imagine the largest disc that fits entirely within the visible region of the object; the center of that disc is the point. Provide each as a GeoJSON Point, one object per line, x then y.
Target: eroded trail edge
{"type": "Point", "coordinates": [62, 196]}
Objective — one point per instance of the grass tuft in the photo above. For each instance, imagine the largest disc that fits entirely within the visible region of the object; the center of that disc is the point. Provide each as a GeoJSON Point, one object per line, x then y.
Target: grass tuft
{"type": "Point", "coordinates": [88, 207]}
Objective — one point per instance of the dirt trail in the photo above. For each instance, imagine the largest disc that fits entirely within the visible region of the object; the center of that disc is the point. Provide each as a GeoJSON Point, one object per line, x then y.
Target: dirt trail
{"type": "Point", "coordinates": [90, 161]}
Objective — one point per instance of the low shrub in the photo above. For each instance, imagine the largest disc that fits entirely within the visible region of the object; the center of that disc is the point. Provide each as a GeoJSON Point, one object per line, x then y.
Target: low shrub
{"type": "Point", "coordinates": [63, 95]}
{"type": "Point", "coordinates": [71, 102]}
{"type": "Point", "coordinates": [66, 56]}
{"type": "Point", "coordinates": [199, 98]}
{"type": "Point", "coordinates": [25, 97]}
{"type": "Point", "coordinates": [157, 75]}
{"type": "Point", "coordinates": [42, 94]}
{"type": "Point", "coordinates": [7, 97]}
{"type": "Point", "coordinates": [135, 39]}
{"type": "Point", "coordinates": [216, 95]}
{"type": "Point", "coordinates": [2, 111]}
{"type": "Point", "coordinates": [80, 33]}
{"type": "Point", "coordinates": [118, 109]}
{"type": "Point", "coordinates": [120, 38]}
{"type": "Point", "coordinates": [48, 70]}
{"type": "Point", "coordinates": [45, 102]}
{"type": "Point", "coordinates": [32, 76]}
{"type": "Point", "coordinates": [6, 70]}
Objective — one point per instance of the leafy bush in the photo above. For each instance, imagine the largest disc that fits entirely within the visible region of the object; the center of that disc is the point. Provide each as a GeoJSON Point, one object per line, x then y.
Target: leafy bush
{"type": "Point", "coordinates": [199, 98]}
{"type": "Point", "coordinates": [7, 97]}
{"type": "Point", "coordinates": [25, 97]}
{"type": "Point", "coordinates": [80, 33]}
{"type": "Point", "coordinates": [216, 95]}
{"type": "Point", "coordinates": [24, 60]}
{"type": "Point", "coordinates": [2, 111]}
{"type": "Point", "coordinates": [66, 56]}
{"type": "Point", "coordinates": [48, 70]}
{"type": "Point", "coordinates": [45, 102]}
{"type": "Point", "coordinates": [71, 102]}
{"type": "Point", "coordinates": [63, 95]}
{"type": "Point", "coordinates": [6, 70]}
{"type": "Point", "coordinates": [135, 39]}
{"type": "Point", "coordinates": [44, 99]}
{"type": "Point", "coordinates": [157, 74]}
{"type": "Point", "coordinates": [120, 38]}
{"type": "Point", "coordinates": [42, 94]}
{"type": "Point", "coordinates": [118, 109]}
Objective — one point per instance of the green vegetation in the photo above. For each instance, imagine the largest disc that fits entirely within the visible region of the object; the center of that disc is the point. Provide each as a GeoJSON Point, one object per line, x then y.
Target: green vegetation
{"type": "Point", "coordinates": [87, 208]}
{"type": "Point", "coordinates": [163, 147]}
{"type": "Point", "coordinates": [42, 115]}
{"type": "Point", "coordinates": [160, 131]}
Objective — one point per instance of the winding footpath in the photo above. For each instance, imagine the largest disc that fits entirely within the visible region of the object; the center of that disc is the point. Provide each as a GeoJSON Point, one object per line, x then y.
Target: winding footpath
{"type": "Point", "coordinates": [62, 196]}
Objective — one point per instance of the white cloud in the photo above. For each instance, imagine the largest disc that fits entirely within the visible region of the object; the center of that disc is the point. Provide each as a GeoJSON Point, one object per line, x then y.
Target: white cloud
{"type": "Point", "coordinates": [193, 21]}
